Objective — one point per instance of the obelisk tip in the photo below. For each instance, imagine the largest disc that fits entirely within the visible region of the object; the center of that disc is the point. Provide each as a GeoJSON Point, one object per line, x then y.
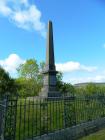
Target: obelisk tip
{"type": "Point", "coordinates": [49, 22]}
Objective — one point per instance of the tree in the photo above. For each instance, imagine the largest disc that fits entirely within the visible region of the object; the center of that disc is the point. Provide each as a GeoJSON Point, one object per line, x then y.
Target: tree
{"type": "Point", "coordinates": [65, 88]}
{"type": "Point", "coordinates": [30, 79]}
{"type": "Point", "coordinates": [59, 80]}
{"type": "Point", "coordinates": [27, 87]}
{"type": "Point", "coordinates": [29, 69]}
{"type": "Point", "coordinates": [91, 89]}
{"type": "Point", "coordinates": [7, 84]}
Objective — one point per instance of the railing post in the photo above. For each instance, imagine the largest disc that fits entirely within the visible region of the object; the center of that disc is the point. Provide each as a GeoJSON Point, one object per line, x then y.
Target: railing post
{"type": "Point", "coordinates": [10, 119]}
{"type": "Point", "coordinates": [2, 118]}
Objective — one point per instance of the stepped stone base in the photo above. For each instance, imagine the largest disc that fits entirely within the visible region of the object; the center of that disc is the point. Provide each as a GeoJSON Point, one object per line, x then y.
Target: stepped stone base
{"type": "Point", "coordinates": [46, 94]}
{"type": "Point", "coordinates": [49, 91]}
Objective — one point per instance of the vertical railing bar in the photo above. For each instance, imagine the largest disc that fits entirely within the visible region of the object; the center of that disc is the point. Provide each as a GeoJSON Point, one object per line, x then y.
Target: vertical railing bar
{"type": "Point", "coordinates": [33, 118]}
{"type": "Point", "coordinates": [79, 110]}
{"type": "Point", "coordinates": [11, 110]}
{"type": "Point", "coordinates": [84, 109]}
{"type": "Point", "coordinates": [20, 120]}
{"type": "Point", "coordinates": [47, 115]}
{"type": "Point", "coordinates": [103, 107]}
{"type": "Point", "coordinates": [50, 117]}
{"type": "Point", "coordinates": [59, 117]}
{"type": "Point", "coordinates": [75, 102]}
{"type": "Point", "coordinates": [36, 111]}
{"type": "Point", "coordinates": [63, 118]}
{"type": "Point", "coordinates": [59, 113]}
{"type": "Point", "coordinates": [34, 128]}
{"type": "Point", "coordinates": [28, 116]}
{"type": "Point", "coordinates": [92, 108]}
{"type": "Point", "coordinates": [69, 102]}
{"type": "Point", "coordinates": [40, 117]}
{"type": "Point", "coordinates": [15, 118]}
{"type": "Point", "coordinates": [56, 115]}
{"type": "Point", "coordinates": [95, 108]}
{"type": "Point", "coordinates": [92, 117]}
{"type": "Point", "coordinates": [59, 104]}
{"type": "Point", "coordinates": [43, 114]}
{"type": "Point", "coordinates": [4, 115]}
{"type": "Point", "coordinates": [64, 114]}
{"type": "Point", "coordinates": [24, 118]}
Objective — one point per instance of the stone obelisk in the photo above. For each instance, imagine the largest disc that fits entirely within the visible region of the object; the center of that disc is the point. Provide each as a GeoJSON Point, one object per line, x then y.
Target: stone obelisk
{"type": "Point", "coordinates": [49, 72]}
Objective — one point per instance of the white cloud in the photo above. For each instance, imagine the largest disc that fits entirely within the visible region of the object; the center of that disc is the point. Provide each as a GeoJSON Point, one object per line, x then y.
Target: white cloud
{"type": "Point", "coordinates": [74, 66]}
{"type": "Point", "coordinates": [11, 63]}
{"type": "Point", "coordinates": [4, 9]}
{"type": "Point", "coordinates": [23, 14]}
{"type": "Point", "coordinates": [75, 80]}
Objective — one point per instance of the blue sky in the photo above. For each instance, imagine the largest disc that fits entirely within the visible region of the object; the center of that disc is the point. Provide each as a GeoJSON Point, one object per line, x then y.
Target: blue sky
{"type": "Point", "coordinates": [79, 36]}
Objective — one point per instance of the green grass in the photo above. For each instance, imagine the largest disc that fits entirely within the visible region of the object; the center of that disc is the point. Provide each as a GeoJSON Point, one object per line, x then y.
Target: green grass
{"type": "Point", "coordinates": [100, 135]}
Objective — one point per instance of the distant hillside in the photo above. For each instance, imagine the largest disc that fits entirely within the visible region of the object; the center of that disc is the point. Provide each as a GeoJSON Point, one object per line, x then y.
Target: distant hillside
{"type": "Point", "coordinates": [85, 84]}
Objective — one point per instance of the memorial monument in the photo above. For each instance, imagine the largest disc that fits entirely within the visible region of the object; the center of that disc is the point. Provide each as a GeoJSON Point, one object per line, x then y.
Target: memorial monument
{"type": "Point", "coordinates": [49, 72]}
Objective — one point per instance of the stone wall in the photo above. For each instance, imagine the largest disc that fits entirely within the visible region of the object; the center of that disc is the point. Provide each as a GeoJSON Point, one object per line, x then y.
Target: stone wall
{"type": "Point", "coordinates": [75, 132]}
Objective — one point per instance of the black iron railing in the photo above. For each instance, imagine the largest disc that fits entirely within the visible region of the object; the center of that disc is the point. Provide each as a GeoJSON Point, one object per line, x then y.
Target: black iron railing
{"type": "Point", "coordinates": [33, 117]}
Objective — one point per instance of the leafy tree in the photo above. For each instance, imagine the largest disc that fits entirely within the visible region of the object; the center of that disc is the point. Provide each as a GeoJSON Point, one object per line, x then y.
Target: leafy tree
{"type": "Point", "coordinates": [59, 80]}
{"type": "Point", "coordinates": [91, 89]}
{"type": "Point", "coordinates": [7, 84]}
{"type": "Point", "coordinates": [29, 69]}
{"type": "Point", "coordinates": [30, 78]}
{"type": "Point", "coordinates": [80, 91]}
{"type": "Point", "coordinates": [65, 88]}
{"type": "Point", "coordinates": [68, 89]}
{"type": "Point", "coordinates": [27, 87]}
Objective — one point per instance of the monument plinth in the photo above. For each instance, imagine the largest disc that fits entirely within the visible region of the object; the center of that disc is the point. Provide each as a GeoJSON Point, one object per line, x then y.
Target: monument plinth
{"type": "Point", "coordinates": [49, 72]}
